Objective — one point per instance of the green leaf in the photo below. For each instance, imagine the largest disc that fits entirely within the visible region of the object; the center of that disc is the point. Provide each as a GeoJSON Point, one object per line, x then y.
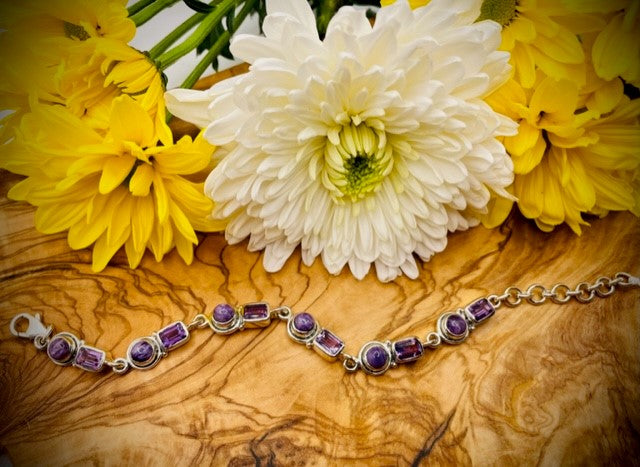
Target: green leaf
{"type": "Point", "coordinates": [226, 53]}
{"type": "Point", "coordinates": [230, 18]}
{"type": "Point", "coordinates": [197, 5]}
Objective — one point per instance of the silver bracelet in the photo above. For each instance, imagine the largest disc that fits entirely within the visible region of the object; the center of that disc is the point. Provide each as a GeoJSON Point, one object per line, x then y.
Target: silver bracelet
{"type": "Point", "coordinates": [375, 357]}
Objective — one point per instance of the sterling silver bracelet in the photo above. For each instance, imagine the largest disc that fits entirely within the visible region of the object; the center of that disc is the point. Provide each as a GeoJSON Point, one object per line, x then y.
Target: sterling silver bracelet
{"type": "Point", "coordinates": [374, 358]}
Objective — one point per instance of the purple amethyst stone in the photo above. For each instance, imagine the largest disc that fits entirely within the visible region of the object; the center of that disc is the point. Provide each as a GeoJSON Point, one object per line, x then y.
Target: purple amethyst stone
{"type": "Point", "coordinates": [456, 325]}
{"type": "Point", "coordinates": [255, 311]}
{"type": "Point", "coordinates": [408, 349]}
{"type": "Point", "coordinates": [304, 323]}
{"type": "Point", "coordinates": [376, 357]}
{"type": "Point", "coordinates": [223, 313]}
{"type": "Point", "coordinates": [173, 335]}
{"type": "Point", "coordinates": [481, 310]}
{"type": "Point", "coordinates": [89, 358]}
{"type": "Point", "coordinates": [328, 343]}
{"type": "Point", "coordinates": [59, 350]}
{"type": "Point", "coordinates": [142, 351]}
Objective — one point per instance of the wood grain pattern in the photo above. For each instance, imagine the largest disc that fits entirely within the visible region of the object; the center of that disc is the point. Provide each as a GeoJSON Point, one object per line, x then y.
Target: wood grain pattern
{"type": "Point", "coordinates": [536, 385]}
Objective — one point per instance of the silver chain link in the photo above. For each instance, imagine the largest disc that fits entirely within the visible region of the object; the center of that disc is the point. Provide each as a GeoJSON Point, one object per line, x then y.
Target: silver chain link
{"type": "Point", "coordinates": [584, 292]}
{"type": "Point", "coordinates": [199, 321]}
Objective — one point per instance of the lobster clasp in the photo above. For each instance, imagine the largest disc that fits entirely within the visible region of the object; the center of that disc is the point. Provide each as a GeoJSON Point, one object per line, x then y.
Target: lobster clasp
{"type": "Point", "coordinates": [35, 328]}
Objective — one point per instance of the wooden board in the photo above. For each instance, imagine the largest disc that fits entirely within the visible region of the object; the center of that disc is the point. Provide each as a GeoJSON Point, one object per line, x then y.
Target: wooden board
{"type": "Point", "coordinates": [536, 385]}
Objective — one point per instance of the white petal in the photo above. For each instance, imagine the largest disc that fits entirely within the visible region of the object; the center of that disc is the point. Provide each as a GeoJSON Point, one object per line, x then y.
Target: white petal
{"type": "Point", "coordinates": [298, 9]}
{"type": "Point", "coordinates": [189, 105]}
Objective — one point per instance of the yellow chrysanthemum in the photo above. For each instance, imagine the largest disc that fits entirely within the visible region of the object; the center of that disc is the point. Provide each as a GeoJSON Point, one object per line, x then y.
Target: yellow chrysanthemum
{"type": "Point", "coordinates": [568, 159]}
{"type": "Point", "coordinates": [122, 188]}
{"type": "Point", "coordinates": [616, 50]}
{"type": "Point", "coordinates": [539, 34]}
{"type": "Point", "coordinates": [40, 39]}
{"type": "Point", "coordinates": [88, 83]}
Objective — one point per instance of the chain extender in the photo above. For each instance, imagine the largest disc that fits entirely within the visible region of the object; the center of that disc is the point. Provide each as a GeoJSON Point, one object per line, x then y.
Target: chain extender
{"type": "Point", "coordinates": [375, 357]}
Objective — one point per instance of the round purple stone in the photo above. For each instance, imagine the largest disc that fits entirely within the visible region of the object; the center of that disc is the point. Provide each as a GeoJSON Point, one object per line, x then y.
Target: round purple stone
{"type": "Point", "coordinates": [304, 323]}
{"type": "Point", "coordinates": [141, 351]}
{"type": "Point", "coordinates": [376, 357]}
{"type": "Point", "coordinates": [59, 349]}
{"type": "Point", "coordinates": [223, 313]}
{"type": "Point", "coordinates": [456, 325]}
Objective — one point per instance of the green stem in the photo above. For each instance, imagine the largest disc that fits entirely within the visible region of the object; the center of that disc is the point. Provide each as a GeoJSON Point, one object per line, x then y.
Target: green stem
{"type": "Point", "coordinates": [326, 11]}
{"type": "Point", "coordinates": [150, 11]}
{"type": "Point", "coordinates": [202, 65]}
{"type": "Point", "coordinates": [199, 35]}
{"type": "Point", "coordinates": [217, 47]}
{"type": "Point", "coordinates": [176, 34]}
{"type": "Point", "coordinates": [139, 5]}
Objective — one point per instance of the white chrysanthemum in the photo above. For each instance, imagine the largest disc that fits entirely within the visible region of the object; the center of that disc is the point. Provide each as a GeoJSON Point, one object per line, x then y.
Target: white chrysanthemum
{"type": "Point", "coordinates": [364, 148]}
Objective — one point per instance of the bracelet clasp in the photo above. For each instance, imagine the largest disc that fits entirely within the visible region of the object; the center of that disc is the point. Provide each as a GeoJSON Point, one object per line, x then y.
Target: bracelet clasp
{"type": "Point", "coordinates": [36, 327]}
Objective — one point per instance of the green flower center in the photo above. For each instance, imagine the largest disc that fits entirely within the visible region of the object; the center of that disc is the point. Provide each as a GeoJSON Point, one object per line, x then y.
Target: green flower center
{"type": "Point", "coordinates": [75, 31]}
{"type": "Point", "coordinates": [500, 11]}
{"type": "Point", "coordinates": [357, 159]}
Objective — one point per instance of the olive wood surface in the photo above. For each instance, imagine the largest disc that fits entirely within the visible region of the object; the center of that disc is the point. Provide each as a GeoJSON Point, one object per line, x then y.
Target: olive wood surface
{"type": "Point", "coordinates": [552, 384]}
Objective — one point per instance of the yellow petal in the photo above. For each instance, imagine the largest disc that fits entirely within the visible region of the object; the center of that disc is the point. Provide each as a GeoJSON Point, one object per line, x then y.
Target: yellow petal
{"type": "Point", "coordinates": [120, 220]}
{"type": "Point", "coordinates": [557, 98]}
{"type": "Point", "coordinates": [185, 248]}
{"type": "Point", "coordinates": [83, 234]}
{"type": "Point", "coordinates": [529, 189]}
{"type": "Point", "coordinates": [563, 47]}
{"type": "Point", "coordinates": [526, 138]}
{"type": "Point", "coordinates": [498, 211]}
{"type": "Point", "coordinates": [506, 97]}
{"type": "Point", "coordinates": [182, 224]}
{"type": "Point", "coordinates": [103, 250]}
{"type": "Point", "coordinates": [612, 193]}
{"type": "Point", "coordinates": [553, 205]}
{"type": "Point", "coordinates": [140, 183]}
{"type": "Point", "coordinates": [161, 198]}
{"type": "Point", "coordinates": [522, 29]}
{"type": "Point", "coordinates": [606, 97]}
{"type": "Point", "coordinates": [530, 158]}
{"type": "Point", "coordinates": [129, 122]}
{"type": "Point", "coordinates": [52, 218]}
{"type": "Point", "coordinates": [524, 64]}
{"type": "Point", "coordinates": [142, 220]}
{"type": "Point", "coordinates": [580, 188]}
{"type": "Point", "coordinates": [614, 50]}
{"type": "Point", "coordinates": [134, 255]}
{"type": "Point", "coordinates": [161, 239]}
{"type": "Point", "coordinates": [116, 169]}
{"type": "Point", "coordinates": [185, 157]}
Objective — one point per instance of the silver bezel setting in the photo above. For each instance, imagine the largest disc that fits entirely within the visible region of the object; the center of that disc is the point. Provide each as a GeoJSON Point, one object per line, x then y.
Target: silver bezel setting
{"type": "Point", "coordinates": [74, 343]}
{"type": "Point", "coordinates": [321, 350]}
{"type": "Point", "coordinates": [448, 337]}
{"type": "Point", "coordinates": [362, 357]}
{"type": "Point", "coordinates": [259, 322]}
{"type": "Point", "coordinates": [471, 319]}
{"type": "Point", "coordinates": [156, 336]}
{"type": "Point", "coordinates": [102, 360]}
{"type": "Point", "coordinates": [228, 327]}
{"type": "Point", "coordinates": [302, 338]}
{"type": "Point", "coordinates": [409, 360]}
{"type": "Point", "coordinates": [153, 360]}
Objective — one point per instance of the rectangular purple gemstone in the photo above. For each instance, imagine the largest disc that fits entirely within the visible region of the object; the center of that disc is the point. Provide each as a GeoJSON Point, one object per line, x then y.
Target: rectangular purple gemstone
{"type": "Point", "coordinates": [480, 310]}
{"type": "Point", "coordinates": [89, 358]}
{"type": "Point", "coordinates": [328, 343]}
{"type": "Point", "coordinates": [407, 350]}
{"type": "Point", "coordinates": [173, 335]}
{"type": "Point", "coordinates": [256, 314]}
